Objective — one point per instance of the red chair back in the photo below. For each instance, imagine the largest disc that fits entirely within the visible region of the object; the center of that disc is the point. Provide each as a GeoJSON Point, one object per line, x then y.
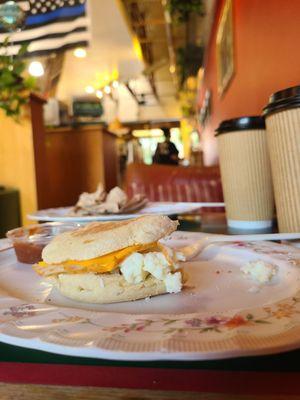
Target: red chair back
{"type": "Point", "coordinates": [175, 183]}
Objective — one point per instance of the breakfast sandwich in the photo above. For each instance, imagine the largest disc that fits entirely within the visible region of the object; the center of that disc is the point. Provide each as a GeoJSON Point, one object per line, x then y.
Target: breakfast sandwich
{"type": "Point", "coordinates": [107, 262]}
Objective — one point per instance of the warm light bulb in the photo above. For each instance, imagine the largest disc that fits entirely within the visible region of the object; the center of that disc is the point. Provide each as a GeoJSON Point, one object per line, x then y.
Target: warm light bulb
{"type": "Point", "coordinates": [99, 94]}
{"type": "Point", "coordinates": [107, 89]}
{"type": "Point", "coordinates": [172, 69]}
{"type": "Point", "coordinates": [79, 52]}
{"type": "Point", "coordinates": [36, 69]}
{"type": "Point", "coordinates": [89, 89]}
{"type": "Point", "coordinates": [115, 84]}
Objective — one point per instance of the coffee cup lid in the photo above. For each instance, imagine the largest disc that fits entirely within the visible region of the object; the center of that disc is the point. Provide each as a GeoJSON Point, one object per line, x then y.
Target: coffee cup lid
{"type": "Point", "coordinates": [283, 100]}
{"type": "Point", "coordinates": [241, 124]}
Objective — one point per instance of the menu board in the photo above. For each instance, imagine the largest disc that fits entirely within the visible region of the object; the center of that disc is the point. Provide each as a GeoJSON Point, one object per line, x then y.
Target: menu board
{"type": "Point", "coordinates": [87, 108]}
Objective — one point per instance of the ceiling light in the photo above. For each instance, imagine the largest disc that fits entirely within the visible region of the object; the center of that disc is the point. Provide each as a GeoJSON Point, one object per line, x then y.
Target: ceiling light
{"type": "Point", "coordinates": [107, 89]}
{"type": "Point", "coordinates": [36, 69]}
{"type": "Point", "coordinates": [79, 52]}
{"type": "Point", "coordinates": [172, 69]}
{"type": "Point", "coordinates": [89, 89]}
{"type": "Point", "coordinates": [99, 94]}
{"type": "Point", "coordinates": [115, 84]}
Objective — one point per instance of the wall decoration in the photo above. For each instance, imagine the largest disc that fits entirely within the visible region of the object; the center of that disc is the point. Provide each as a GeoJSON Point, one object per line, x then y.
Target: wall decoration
{"type": "Point", "coordinates": [205, 110]}
{"type": "Point", "coordinates": [188, 59]}
{"type": "Point", "coordinates": [225, 53]}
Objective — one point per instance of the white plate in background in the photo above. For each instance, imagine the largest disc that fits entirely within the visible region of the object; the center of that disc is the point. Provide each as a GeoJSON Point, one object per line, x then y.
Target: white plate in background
{"type": "Point", "coordinates": [159, 208]}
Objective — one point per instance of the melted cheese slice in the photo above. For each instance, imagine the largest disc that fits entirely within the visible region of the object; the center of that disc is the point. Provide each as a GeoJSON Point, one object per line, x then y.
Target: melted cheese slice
{"type": "Point", "coordinates": [106, 263]}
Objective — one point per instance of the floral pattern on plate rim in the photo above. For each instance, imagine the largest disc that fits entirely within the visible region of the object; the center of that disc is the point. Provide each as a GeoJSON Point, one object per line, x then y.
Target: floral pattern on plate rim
{"type": "Point", "coordinates": [277, 316]}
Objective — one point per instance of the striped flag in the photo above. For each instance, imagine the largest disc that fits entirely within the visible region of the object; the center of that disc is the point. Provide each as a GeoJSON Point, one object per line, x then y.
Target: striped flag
{"type": "Point", "coordinates": [50, 26]}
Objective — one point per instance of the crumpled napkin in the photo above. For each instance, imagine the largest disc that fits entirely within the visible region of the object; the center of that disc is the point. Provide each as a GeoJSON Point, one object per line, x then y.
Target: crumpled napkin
{"type": "Point", "coordinates": [114, 202]}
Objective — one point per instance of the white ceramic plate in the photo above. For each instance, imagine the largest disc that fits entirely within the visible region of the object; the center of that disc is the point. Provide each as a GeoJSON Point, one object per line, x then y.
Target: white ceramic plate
{"type": "Point", "coordinates": [165, 208]}
{"type": "Point", "coordinates": [217, 315]}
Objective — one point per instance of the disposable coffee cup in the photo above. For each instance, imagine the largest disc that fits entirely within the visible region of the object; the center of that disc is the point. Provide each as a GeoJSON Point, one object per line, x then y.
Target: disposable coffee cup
{"type": "Point", "coordinates": [246, 173]}
{"type": "Point", "coordinates": [282, 116]}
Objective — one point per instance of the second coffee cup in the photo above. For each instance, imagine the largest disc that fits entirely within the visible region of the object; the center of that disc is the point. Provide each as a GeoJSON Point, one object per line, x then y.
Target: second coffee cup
{"type": "Point", "coordinates": [246, 173]}
{"type": "Point", "coordinates": [283, 136]}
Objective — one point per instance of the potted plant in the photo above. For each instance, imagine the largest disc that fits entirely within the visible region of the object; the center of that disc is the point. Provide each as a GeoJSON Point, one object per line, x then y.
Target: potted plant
{"type": "Point", "coordinates": [15, 88]}
{"type": "Point", "coordinates": [182, 9]}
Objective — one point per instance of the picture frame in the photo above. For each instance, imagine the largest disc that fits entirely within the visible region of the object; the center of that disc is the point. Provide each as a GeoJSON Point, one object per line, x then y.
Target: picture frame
{"type": "Point", "coordinates": [205, 110]}
{"type": "Point", "coordinates": [225, 48]}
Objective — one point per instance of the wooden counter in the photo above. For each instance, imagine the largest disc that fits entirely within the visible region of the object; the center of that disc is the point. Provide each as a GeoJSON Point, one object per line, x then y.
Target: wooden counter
{"type": "Point", "coordinates": [77, 160]}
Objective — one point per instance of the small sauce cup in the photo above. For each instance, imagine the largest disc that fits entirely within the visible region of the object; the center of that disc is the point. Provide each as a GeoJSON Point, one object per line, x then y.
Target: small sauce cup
{"type": "Point", "coordinates": [29, 241]}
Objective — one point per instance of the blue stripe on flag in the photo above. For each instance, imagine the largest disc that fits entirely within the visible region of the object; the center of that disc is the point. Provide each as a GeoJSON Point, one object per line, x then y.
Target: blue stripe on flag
{"type": "Point", "coordinates": [59, 13]}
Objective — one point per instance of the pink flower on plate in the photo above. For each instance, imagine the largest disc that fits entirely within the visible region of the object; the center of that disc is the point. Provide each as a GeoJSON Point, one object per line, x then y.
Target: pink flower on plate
{"type": "Point", "coordinates": [194, 322]}
{"type": "Point", "coordinates": [215, 320]}
{"type": "Point", "coordinates": [24, 310]}
{"type": "Point", "coordinates": [240, 244]}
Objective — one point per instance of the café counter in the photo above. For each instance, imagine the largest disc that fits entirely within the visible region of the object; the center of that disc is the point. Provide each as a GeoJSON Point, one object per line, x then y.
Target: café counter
{"type": "Point", "coordinates": [78, 158]}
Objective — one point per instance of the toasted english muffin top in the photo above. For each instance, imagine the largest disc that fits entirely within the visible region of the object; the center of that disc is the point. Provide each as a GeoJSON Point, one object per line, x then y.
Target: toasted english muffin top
{"type": "Point", "coordinates": [99, 238]}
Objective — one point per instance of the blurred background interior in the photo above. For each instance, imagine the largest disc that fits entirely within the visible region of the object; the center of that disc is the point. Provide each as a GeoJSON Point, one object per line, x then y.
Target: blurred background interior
{"type": "Point", "coordinates": [103, 87]}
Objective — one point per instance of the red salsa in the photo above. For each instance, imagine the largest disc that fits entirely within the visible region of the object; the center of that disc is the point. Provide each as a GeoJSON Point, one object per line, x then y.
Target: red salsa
{"type": "Point", "coordinates": [28, 253]}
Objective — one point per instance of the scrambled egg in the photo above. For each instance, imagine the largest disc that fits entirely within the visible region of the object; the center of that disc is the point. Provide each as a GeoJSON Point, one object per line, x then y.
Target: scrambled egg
{"type": "Point", "coordinates": [260, 271]}
{"type": "Point", "coordinates": [173, 282]}
{"type": "Point", "coordinates": [157, 264]}
{"type": "Point", "coordinates": [132, 268]}
{"type": "Point", "coordinates": [137, 266]}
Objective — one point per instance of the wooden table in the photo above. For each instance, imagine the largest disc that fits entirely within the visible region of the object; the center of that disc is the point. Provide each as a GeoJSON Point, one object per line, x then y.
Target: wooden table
{"type": "Point", "coordinates": [45, 392]}
{"type": "Point", "coordinates": [31, 374]}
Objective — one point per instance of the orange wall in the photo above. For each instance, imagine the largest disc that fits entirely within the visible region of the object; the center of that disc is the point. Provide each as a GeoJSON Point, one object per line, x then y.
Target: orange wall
{"type": "Point", "coordinates": [267, 59]}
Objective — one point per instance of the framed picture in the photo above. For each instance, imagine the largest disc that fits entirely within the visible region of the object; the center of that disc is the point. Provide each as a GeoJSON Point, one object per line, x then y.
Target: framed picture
{"type": "Point", "coordinates": [205, 110]}
{"type": "Point", "coordinates": [225, 54]}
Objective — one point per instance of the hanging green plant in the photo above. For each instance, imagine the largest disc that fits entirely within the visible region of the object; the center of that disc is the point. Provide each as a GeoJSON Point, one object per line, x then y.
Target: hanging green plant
{"type": "Point", "coordinates": [188, 59]}
{"type": "Point", "coordinates": [182, 9]}
{"type": "Point", "coordinates": [14, 87]}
